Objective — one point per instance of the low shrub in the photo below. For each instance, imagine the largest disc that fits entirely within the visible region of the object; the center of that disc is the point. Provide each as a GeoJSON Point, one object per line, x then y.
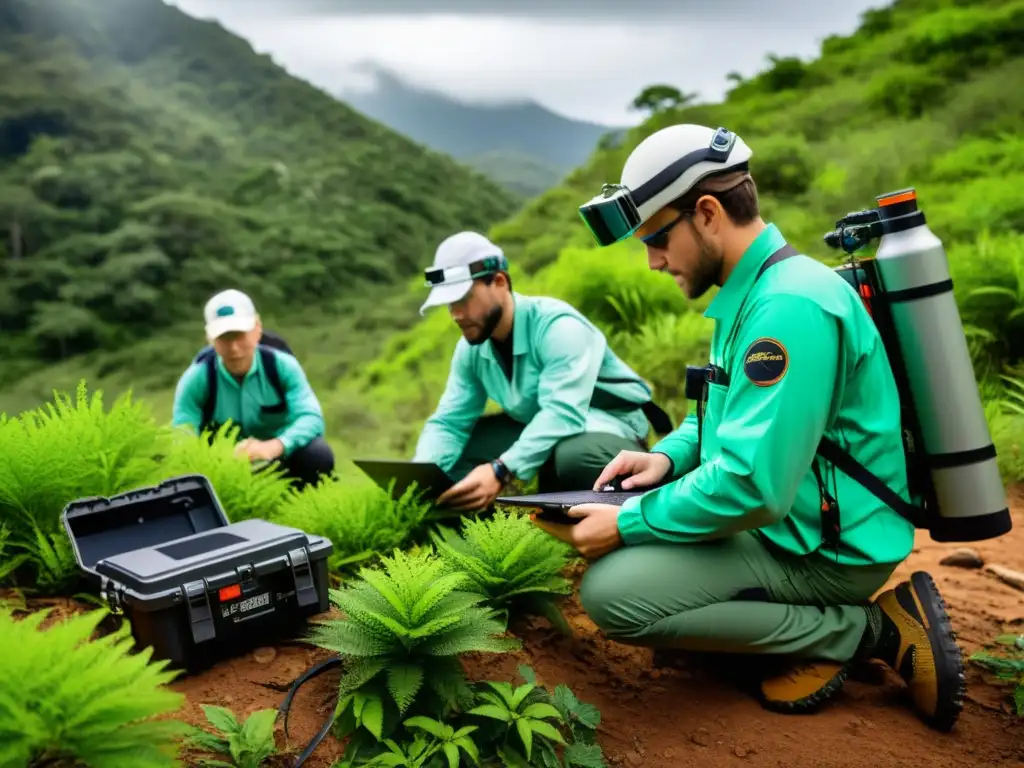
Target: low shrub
{"type": "Point", "coordinates": [248, 744]}
{"type": "Point", "coordinates": [360, 520]}
{"type": "Point", "coordinates": [69, 449]}
{"type": "Point", "coordinates": [242, 493]}
{"type": "Point", "coordinates": [68, 700]}
{"type": "Point", "coordinates": [515, 565]}
{"type": "Point", "coordinates": [782, 165]}
{"type": "Point", "coordinates": [405, 625]}
{"type": "Point", "coordinates": [503, 726]}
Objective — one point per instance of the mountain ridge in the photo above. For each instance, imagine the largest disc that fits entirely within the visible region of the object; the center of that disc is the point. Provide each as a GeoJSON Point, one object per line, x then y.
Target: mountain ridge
{"type": "Point", "coordinates": [469, 130]}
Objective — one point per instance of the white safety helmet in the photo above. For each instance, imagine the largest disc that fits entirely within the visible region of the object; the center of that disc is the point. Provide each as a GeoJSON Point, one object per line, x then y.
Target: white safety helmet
{"type": "Point", "coordinates": [662, 168]}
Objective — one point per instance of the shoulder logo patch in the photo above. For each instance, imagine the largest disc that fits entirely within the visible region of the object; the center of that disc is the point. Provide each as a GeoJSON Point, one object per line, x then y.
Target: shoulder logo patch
{"type": "Point", "coordinates": [765, 362]}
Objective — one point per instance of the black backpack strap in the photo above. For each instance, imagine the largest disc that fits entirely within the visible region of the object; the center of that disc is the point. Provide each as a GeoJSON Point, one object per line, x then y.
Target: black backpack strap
{"type": "Point", "coordinates": [782, 254]}
{"type": "Point", "coordinates": [209, 358]}
{"type": "Point", "coordinates": [655, 414]}
{"type": "Point", "coordinates": [275, 340]}
{"type": "Point", "coordinates": [602, 398]}
{"type": "Point", "coordinates": [269, 362]}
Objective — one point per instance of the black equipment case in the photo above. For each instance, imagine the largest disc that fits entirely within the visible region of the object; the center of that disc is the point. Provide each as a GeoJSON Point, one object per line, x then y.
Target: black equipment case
{"type": "Point", "coordinates": [194, 586]}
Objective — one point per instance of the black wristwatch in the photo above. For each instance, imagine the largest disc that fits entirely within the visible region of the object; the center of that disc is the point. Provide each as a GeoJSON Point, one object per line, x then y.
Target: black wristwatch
{"type": "Point", "coordinates": [501, 471]}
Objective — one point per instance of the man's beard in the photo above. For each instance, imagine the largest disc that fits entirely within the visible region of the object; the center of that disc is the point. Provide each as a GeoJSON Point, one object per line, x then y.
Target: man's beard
{"type": "Point", "coordinates": [490, 322]}
{"type": "Point", "coordinates": [706, 271]}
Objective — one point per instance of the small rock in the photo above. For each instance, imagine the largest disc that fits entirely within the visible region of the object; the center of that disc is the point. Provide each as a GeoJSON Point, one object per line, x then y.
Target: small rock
{"type": "Point", "coordinates": [964, 557]}
{"type": "Point", "coordinates": [670, 753]}
{"type": "Point", "coordinates": [655, 674]}
{"type": "Point", "coordinates": [1006, 575]}
{"type": "Point", "coordinates": [634, 759]}
{"type": "Point", "coordinates": [264, 655]}
{"type": "Point", "coordinates": [740, 751]}
{"type": "Point", "coordinates": [700, 737]}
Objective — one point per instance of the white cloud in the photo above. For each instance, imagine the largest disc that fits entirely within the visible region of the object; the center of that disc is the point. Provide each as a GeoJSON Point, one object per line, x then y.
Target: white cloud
{"type": "Point", "coordinates": [588, 67]}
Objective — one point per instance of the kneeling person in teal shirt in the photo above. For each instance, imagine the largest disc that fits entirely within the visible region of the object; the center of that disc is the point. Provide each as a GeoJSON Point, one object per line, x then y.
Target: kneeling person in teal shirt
{"type": "Point", "coordinates": [278, 415]}
{"type": "Point", "coordinates": [569, 403]}
{"type": "Point", "coordinates": [758, 545]}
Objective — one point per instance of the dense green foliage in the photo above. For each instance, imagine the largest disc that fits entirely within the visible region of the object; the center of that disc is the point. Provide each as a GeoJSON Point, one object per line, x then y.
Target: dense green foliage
{"type": "Point", "coordinates": [68, 700]}
{"type": "Point", "coordinates": [407, 617]}
{"type": "Point", "coordinates": [74, 447]}
{"type": "Point", "coordinates": [516, 566]}
{"type": "Point", "coordinates": [148, 159]}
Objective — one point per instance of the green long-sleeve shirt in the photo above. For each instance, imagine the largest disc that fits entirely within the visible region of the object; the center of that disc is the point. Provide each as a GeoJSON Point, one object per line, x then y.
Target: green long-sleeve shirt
{"type": "Point", "coordinates": [806, 360]}
{"type": "Point", "coordinates": [242, 403]}
{"type": "Point", "coordinates": [559, 357]}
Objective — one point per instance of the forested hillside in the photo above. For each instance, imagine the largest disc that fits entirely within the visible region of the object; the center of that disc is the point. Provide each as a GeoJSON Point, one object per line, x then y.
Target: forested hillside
{"type": "Point", "coordinates": [148, 159]}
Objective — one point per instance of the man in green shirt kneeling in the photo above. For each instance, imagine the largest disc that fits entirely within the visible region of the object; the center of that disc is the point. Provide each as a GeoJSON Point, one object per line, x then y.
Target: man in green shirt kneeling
{"type": "Point", "coordinates": [758, 545]}
{"type": "Point", "coordinates": [569, 404]}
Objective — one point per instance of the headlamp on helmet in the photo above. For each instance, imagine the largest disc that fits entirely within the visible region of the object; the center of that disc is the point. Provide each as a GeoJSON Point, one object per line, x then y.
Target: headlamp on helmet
{"type": "Point", "coordinates": [458, 274]}
{"type": "Point", "coordinates": [618, 210]}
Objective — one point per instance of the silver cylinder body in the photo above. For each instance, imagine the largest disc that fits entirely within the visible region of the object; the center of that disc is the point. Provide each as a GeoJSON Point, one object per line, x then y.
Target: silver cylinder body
{"type": "Point", "coordinates": [969, 501]}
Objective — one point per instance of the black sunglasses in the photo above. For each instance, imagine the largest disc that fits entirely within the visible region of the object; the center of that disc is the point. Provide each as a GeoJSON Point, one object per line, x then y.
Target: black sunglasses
{"type": "Point", "coordinates": [659, 238]}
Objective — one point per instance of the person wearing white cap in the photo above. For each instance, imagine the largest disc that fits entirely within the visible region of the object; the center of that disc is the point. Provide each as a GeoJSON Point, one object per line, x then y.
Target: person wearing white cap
{"type": "Point", "coordinates": [250, 377]}
{"type": "Point", "coordinates": [569, 403]}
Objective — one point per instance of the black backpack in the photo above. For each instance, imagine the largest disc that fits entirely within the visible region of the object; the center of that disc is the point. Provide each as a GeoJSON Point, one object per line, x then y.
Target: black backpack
{"type": "Point", "coordinates": [268, 341]}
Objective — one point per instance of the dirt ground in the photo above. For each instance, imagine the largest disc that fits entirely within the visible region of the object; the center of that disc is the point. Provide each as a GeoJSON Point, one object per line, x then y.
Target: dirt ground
{"type": "Point", "coordinates": [657, 715]}
{"type": "Point", "coordinates": [661, 712]}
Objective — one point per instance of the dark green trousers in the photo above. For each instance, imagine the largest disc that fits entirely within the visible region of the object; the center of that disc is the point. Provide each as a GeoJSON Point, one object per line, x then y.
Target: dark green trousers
{"type": "Point", "coordinates": [739, 594]}
{"type": "Point", "coordinates": [575, 463]}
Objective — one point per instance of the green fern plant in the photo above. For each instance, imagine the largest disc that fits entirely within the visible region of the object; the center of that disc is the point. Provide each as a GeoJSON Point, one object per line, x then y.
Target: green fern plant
{"type": "Point", "coordinates": [1008, 668]}
{"type": "Point", "coordinates": [9, 562]}
{"type": "Point", "coordinates": [248, 745]}
{"type": "Point", "coordinates": [511, 562]}
{"type": "Point", "coordinates": [360, 520]}
{"type": "Point", "coordinates": [405, 625]}
{"type": "Point", "coordinates": [69, 449]}
{"type": "Point", "coordinates": [243, 492]}
{"type": "Point", "coordinates": [66, 699]}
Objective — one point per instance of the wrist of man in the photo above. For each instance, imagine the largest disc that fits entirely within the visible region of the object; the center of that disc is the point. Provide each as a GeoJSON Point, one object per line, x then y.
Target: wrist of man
{"type": "Point", "coordinates": [671, 471]}
{"type": "Point", "coordinates": [501, 471]}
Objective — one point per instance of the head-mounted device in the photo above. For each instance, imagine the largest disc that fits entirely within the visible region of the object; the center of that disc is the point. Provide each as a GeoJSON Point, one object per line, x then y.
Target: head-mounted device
{"type": "Point", "coordinates": [614, 214]}
{"type": "Point", "coordinates": [465, 272]}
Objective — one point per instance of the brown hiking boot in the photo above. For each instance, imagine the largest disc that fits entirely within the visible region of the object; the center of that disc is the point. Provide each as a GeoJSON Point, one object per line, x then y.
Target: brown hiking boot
{"type": "Point", "coordinates": [911, 632]}
{"type": "Point", "coordinates": [804, 687]}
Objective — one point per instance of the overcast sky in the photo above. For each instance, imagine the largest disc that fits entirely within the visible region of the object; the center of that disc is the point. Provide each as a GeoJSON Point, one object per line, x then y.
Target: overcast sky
{"type": "Point", "coordinates": [582, 58]}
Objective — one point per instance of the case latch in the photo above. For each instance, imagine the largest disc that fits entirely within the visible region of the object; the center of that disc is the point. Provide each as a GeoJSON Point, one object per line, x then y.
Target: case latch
{"type": "Point", "coordinates": [305, 590]}
{"type": "Point", "coordinates": [200, 616]}
{"type": "Point", "coordinates": [112, 593]}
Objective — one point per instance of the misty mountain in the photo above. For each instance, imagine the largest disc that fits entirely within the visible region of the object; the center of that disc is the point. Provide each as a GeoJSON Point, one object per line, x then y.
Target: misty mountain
{"type": "Point", "coordinates": [522, 145]}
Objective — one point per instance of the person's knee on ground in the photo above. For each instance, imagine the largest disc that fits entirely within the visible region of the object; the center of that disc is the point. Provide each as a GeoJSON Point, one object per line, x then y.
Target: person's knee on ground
{"type": "Point", "coordinates": [576, 462]}
{"type": "Point", "coordinates": [490, 437]}
{"type": "Point", "coordinates": [310, 463]}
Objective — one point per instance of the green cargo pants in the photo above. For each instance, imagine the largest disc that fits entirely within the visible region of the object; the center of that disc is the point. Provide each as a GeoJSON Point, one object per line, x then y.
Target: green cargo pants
{"type": "Point", "coordinates": [735, 595]}
{"type": "Point", "coordinates": [574, 464]}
